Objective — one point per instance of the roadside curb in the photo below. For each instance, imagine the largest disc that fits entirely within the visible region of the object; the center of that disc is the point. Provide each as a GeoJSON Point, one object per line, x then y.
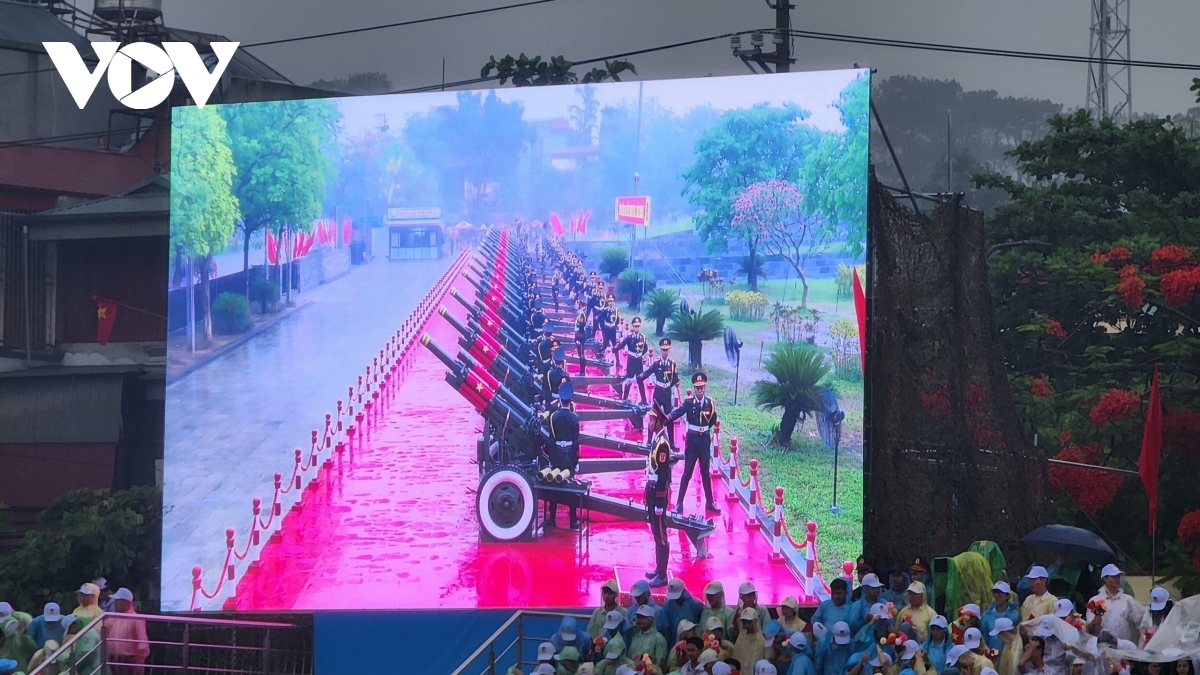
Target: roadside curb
{"type": "Point", "coordinates": [239, 340]}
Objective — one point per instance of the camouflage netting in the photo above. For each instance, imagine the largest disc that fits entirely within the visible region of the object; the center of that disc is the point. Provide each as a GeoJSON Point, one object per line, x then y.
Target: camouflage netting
{"type": "Point", "coordinates": [948, 464]}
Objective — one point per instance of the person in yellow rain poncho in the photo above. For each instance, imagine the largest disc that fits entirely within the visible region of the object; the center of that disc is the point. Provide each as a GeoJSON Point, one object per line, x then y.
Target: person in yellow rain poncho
{"type": "Point", "coordinates": [46, 652]}
{"type": "Point", "coordinates": [1041, 601]}
{"type": "Point", "coordinates": [789, 616]}
{"type": "Point", "coordinates": [677, 654]}
{"type": "Point", "coordinates": [89, 608]}
{"type": "Point", "coordinates": [1013, 647]}
{"type": "Point", "coordinates": [917, 613]}
{"type": "Point", "coordinates": [749, 646]}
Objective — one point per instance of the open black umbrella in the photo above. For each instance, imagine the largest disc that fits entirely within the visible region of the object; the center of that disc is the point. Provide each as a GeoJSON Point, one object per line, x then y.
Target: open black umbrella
{"type": "Point", "coordinates": [1076, 543]}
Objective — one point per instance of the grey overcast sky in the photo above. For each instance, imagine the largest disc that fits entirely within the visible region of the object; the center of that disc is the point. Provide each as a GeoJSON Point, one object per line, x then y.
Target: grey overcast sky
{"type": "Point", "coordinates": [1162, 30]}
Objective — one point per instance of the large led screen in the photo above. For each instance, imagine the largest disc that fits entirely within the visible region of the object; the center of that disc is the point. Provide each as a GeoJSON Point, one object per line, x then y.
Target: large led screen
{"type": "Point", "coordinates": [375, 302]}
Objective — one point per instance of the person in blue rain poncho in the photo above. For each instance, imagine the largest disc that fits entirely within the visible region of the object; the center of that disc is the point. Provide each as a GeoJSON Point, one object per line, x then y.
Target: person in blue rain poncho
{"type": "Point", "coordinates": [640, 592]}
{"type": "Point", "coordinates": [680, 605]}
{"type": "Point", "coordinates": [897, 591]}
{"type": "Point", "coordinates": [834, 650]}
{"type": "Point", "coordinates": [869, 660]}
{"type": "Point", "coordinates": [837, 608]}
{"type": "Point", "coordinates": [1001, 607]}
{"type": "Point", "coordinates": [775, 647]}
{"type": "Point", "coordinates": [872, 592]}
{"type": "Point", "coordinates": [569, 635]}
{"type": "Point", "coordinates": [938, 644]}
{"type": "Point", "coordinates": [802, 656]}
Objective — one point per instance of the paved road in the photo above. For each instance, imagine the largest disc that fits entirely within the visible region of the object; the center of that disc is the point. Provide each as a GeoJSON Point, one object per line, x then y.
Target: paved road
{"type": "Point", "coordinates": [233, 423]}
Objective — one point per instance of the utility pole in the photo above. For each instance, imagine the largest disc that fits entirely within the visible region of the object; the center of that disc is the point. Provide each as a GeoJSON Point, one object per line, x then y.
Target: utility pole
{"type": "Point", "coordinates": [781, 58]}
{"type": "Point", "coordinates": [1110, 78]}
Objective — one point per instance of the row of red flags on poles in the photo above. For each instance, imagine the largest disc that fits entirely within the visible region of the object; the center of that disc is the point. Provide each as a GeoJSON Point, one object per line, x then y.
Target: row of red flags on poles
{"type": "Point", "coordinates": [576, 224]}
{"type": "Point", "coordinates": [1151, 431]}
{"type": "Point", "coordinates": [324, 234]}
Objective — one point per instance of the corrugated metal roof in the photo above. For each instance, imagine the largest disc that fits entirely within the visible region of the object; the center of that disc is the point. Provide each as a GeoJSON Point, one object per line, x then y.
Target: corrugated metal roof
{"type": "Point", "coordinates": [150, 198]}
{"type": "Point", "coordinates": [25, 26]}
{"type": "Point", "coordinates": [70, 409]}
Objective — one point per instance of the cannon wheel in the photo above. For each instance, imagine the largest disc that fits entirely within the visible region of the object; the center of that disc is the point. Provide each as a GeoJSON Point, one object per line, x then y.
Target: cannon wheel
{"type": "Point", "coordinates": [505, 504]}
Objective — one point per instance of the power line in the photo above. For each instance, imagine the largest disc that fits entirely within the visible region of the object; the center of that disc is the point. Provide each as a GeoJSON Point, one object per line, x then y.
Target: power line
{"type": "Point", "coordinates": [398, 24]}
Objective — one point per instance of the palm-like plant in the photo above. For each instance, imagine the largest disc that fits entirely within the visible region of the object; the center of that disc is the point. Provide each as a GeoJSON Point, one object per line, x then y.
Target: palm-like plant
{"type": "Point", "coordinates": [694, 328]}
{"type": "Point", "coordinates": [751, 266]}
{"type": "Point", "coordinates": [613, 260]}
{"type": "Point", "coordinates": [661, 304]}
{"type": "Point", "coordinates": [797, 368]}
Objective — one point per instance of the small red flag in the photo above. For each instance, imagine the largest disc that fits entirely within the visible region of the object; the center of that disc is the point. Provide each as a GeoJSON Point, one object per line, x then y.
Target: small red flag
{"type": "Point", "coordinates": [860, 308]}
{"type": "Point", "coordinates": [1151, 450]}
{"type": "Point", "coordinates": [347, 232]}
{"type": "Point", "coordinates": [106, 314]}
{"type": "Point", "coordinates": [272, 249]}
{"type": "Point", "coordinates": [556, 225]}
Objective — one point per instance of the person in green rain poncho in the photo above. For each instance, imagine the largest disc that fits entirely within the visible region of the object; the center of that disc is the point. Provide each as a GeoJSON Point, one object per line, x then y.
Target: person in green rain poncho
{"type": "Point", "coordinates": [85, 652]}
{"type": "Point", "coordinates": [17, 645]}
{"type": "Point", "coordinates": [647, 639]}
{"type": "Point", "coordinates": [568, 661]}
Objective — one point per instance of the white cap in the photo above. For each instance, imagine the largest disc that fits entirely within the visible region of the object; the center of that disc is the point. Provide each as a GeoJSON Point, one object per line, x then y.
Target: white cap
{"type": "Point", "coordinates": [544, 669]}
{"type": "Point", "coordinates": [1037, 572]}
{"type": "Point", "coordinates": [1110, 570]}
{"type": "Point", "coordinates": [713, 623]}
{"type": "Point", "coordinates": [798, 640]}
{"type": "Point", "coordinates": [685, 624]}
{"type": "Point", "coordinates": [765, 667]}
{"type": "Point", "coordinates": [746, 589]}
{"type": "Point", "coordinates": [972, 609]}
{"type": "Point", "coordinates": [721, 668]}
{"type": "Point", "coordinates": [872, 581]}
{"type": "Point", "coordinates": [67, 620]}
{"type": "Point", "coordinates": [940, 622]}
{"type": "Point", "coordinates": [623, 670]}
{"type": "Point", "coordinates": [675, 589]}
{"type": "Point", "coordinates": [955, 654]}
{"type": "Point", "coordinates": [748, 614]}
{"type": "Point", "coordinates": [123, 594]}
{"type": "Point", "coordinates": [611, 585]}
{"type": "Point", "coordinates": [611, 654]}
{"type": "Point", "coordinates": [916, 587]}
{"type": "Point", "coordinates": [612, 620]}
{"type": "Point", "coordinates": [100, 582]}
{"type": "Point", "coordinates": [1002, 625]}
{"type": "Point", "coordinates": [706, 656]}
{"type": "Point", "coordinates": [1158, 598]}
{"type": "Point", "coordinates": [971, 638]}
{"type": "Point", "coordinates": [89, 589]}
{"type": "Point", "coordinates": [819, 630]}
{"type": "Point", "coordinates": [645, 610]}
{"type": "Point", "coordinates": [1003, 587]}
{"type": "Point", "coordinates": [5, 609]}
{"type": "Point", "coordinates": [1045, 628]}
{"type": "Point", "coordinates": [879, 610]}
{"type": "Point", "coordinates": [878, 660]}
{"type": "Point", "coordinates": [988, 671]}
{"type": "Point", "coordinates": [1063, 608]}
{"type": "Point", "coordinates": [545, 651]}
{"type": "Point", "coordinates": [52, 611]}
{"type": "Point", "coordinates": [910, 650]}
{"type": "Point", "coordinates": [714, 587]}
{"type": "Point", "coordinates": [841, 633]}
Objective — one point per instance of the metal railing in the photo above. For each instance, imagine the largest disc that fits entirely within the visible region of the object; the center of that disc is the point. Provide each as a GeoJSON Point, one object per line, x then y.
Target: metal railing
{"type": "Point", "coordinates": [176, 644]}
{"type": "Point", "coordinates": [512, 630]}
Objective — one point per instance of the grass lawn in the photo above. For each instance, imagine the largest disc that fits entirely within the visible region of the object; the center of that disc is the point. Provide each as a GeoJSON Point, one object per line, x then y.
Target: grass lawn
{"type": "Point", "coordinates": [805, 470]}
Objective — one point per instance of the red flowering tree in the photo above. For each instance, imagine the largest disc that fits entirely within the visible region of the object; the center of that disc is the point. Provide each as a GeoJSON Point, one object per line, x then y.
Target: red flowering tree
{"type": "Point", "coordinates": [1095, 279]}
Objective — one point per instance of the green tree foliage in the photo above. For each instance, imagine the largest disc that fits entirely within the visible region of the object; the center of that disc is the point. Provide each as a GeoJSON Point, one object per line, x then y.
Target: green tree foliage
{"type": "Point", "coordinates": [585, 117]}
{"type": "Point", "coordinates": [525, 71]}
{"type": "Point", "coordinates": [695, 328]}
{"type": "Point", "coordinates": [744, 147]}
{"type": "Point", "coordinates": [834, 179]}
{"type": "Point", "coordinates": [281, 152]}
{"type": "Point", "coordinates": [82, 535]}
{"type": "Point", "coordinates": [204, 209]}
{"type": "Point", "coordinates": [797, 368]}
{"type": "Point", "coordinates": [1094, 276]}
{"type": "Point", "coordinates": [472, 147]}
{"type": "Point", "coordinates": [613, 260]}
{"type": "Point", "coordinates": [376, 169]}
{"type": "Point", "coordinates": [753, 267]}
{"type": "Point", "coordinates": [661, 304]}
{"type": "Point", "coordinates": [357, 83]}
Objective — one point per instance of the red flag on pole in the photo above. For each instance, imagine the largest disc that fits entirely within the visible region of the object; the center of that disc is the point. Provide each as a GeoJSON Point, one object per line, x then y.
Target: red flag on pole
{"type": "Point", "coordinates": [272, 249]}
{"type": "Point", "coordinates": [860, 308]}
{"type": "Point", "coordinates": [106, 314]}
{"type": "Point", "coordinates": [556, 225]}
{"type": "Point", "coordinates": [1151, 449]}
{"type": "Point", "coordinates": [347, 232]}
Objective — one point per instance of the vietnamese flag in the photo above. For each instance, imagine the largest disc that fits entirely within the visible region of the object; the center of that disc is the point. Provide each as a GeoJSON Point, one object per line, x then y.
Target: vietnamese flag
{"type": "Point", "coordinates": [106, 314]}
{"type": "Point", "coordinates": [556, 225]}
{"type": "Point", "coordinates": [1152, 449]}
{"type": "Point", "coordinates": [272, 249]}
{"type": "Point", "coordinates": [860, 308]}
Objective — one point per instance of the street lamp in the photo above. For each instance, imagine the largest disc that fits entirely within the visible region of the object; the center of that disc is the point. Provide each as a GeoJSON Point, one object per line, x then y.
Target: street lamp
{"type": "Point", "coordinates": [835, 419]}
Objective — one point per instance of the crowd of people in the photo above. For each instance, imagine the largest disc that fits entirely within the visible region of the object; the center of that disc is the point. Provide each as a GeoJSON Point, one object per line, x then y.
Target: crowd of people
{"type": "Point", "coordinates": [58, 642]}
{"type": "Point", "coordinates": [871, 628]}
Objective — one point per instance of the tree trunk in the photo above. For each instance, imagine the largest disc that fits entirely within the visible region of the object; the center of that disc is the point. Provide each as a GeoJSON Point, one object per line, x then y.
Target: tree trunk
{"type": "Point", "coordinates": [246, 261]}
{"type": "Point", "coordinates": [804, 283]}
{"type": "Point", "coordinates": [659, 330]}
{"type": "Point", "coordinates": [695, 353]}
{"type": "Point", "coordinates": [752, 276]}
{"type": "Point", "coordinates": [206, 297]}
{"type": "Point", "coordinates": [787, 426]}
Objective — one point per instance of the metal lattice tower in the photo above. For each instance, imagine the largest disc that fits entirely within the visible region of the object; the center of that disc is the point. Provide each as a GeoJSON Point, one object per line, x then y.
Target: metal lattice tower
{"type": "Point", "coordinates": [1110, 78]}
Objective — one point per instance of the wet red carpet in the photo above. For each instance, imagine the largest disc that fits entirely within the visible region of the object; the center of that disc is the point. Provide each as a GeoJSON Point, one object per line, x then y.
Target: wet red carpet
{"type": "Point", "coordinates": [390, 523]}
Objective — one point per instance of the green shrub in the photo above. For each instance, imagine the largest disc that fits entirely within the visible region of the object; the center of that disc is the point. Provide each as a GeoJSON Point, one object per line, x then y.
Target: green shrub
{"type": "Point", "coordinates": [847, 363]}
{"type": "Point", "coordinates": [627, 283]}
{"type": "Point", "coordinates": [747, 305]}
{"type": "Point", "coordinates": [231, 314]}
{"type": "Point", "coordinates": [614, 260]}
{"type": "Point", "coordinates": [266, 293]}
{"type": "Point", "coordinates": [845, 279]}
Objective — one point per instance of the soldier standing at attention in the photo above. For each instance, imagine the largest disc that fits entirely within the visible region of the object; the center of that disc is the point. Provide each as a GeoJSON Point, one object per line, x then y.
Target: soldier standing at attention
{"type": "Point", "coordinates": [563, 451]}
{"type": "Point", "coordinates": [635, 347]}
{"type": "Point", "coordinates": [665, 372]}
{"type": "Point", "coordinates": [554, 379]}
{"type": "Point", "coordinates": [701, 412]}
{"type": "Point", "coordinates": [658, 487]}
{"type": "Point", "coordinates": [581, 318]}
